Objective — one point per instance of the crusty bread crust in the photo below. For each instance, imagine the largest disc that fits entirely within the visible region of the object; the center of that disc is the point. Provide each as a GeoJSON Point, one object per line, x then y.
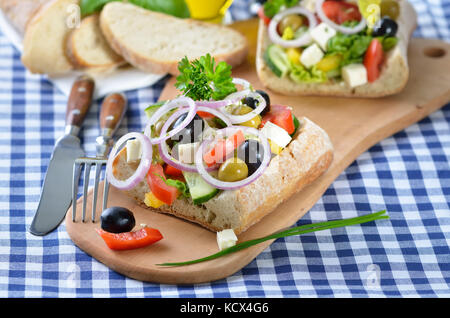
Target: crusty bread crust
{"type": "Point", "coordinates": [88, 57]}
{"type": "Point", "coordinates": [307, 157]}
{"type": "Point", "coordinates": [45, 38]}
{"type": "Point", "coordinates": [393, 78]}
{"type": "Point", "coordinates": [147, 62]}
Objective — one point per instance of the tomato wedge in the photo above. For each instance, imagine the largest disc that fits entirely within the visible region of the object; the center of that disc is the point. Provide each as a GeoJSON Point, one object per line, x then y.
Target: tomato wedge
{"type": "Point", "coordinates": [340, 11]}
{"type": "Point", "coordinates": [130, 240]}
{"type": "Point", "coordinates": [158, 187]}
{"type": "Point", "coordinates": [263, 16]}
{"type": "Point", "coordinates": [172, 171]}
{"type": "Point", "coordinates": [373, 60]}
{"type": "Point", "coordinates": [223, 148]}
{"type": "Point", "coordinates": [281, 116]}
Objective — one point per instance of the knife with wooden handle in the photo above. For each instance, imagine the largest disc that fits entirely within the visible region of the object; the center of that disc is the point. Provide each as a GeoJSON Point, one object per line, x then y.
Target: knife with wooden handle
{"type": "Point", "coordinates": [56, 195]}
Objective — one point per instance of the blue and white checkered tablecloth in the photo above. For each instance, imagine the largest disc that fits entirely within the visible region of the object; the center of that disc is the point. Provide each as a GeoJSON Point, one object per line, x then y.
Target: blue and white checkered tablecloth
{"type": "Point", "coordinates": [408, 174]}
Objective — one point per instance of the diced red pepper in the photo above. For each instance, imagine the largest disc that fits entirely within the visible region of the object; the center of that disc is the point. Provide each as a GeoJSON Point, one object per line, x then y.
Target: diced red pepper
{"type": "Point", "coordinates": [281, 116]}
{"type": "Point", "coordinates": [223, 148]}
{"type": "Point", "coordinates": [130, 240]}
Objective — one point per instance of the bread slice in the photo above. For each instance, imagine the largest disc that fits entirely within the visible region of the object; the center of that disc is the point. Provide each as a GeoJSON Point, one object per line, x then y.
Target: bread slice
{"type": "Point", "coordinates": [87, 47]}
{"type": "Point", "coordinates": [156, 42]}
{"type": "Point", "coordinates": [45, 38]}
{"type": "Point", "coordinates": [393, 78]}
{"type": "Point", "coordinates": [308, 156]}
{"type": "Point", "coordinates": [20, 12]}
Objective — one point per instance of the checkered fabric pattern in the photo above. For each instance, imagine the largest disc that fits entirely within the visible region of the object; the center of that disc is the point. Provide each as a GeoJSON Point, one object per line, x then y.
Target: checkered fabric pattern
{"type": "Point", "coordinates": [408, 174]}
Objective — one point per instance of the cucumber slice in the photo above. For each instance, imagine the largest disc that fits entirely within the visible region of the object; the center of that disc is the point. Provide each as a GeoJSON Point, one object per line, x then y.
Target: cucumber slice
{"type": "Point", "coordinates": [199, 189]}
{"type": "Point", "coordinates": [277, 60]}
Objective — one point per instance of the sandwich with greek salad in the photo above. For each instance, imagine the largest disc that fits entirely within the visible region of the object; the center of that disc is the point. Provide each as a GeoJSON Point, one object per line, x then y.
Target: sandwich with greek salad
{"type": "Point", "coordinates": [221, 154]}
{"type": "Point", "coordinates": [335, 47]}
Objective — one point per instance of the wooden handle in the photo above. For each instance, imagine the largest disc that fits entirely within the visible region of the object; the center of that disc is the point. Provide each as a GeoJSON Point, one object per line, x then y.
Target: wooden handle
{"type": "Point", "coordinates": [80, 99]}
{"type": "Point", "coordinates": [113, 109]}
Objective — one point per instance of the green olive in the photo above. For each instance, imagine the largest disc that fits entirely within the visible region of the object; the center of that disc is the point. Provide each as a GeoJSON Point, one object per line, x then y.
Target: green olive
{"type": "Point", "coordinates": [255, 122]}
{"type": "Point", "coordinates": [293, 21]}
{"type": "Point", "coordinates": [233, 169]}
{"type": "Point", "coordinates": [390, 8]}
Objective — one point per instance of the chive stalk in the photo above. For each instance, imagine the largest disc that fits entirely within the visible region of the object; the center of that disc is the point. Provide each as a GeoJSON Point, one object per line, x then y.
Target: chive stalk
{"type": "Point", "coordinates": [298, 230]}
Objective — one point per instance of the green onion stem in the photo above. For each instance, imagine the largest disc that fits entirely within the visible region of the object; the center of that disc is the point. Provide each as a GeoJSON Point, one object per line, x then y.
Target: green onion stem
{"type": "Point", "coordinates": [302, 229]}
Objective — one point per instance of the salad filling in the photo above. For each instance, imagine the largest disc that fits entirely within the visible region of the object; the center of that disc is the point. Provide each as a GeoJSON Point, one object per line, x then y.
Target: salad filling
{"type": "Point", "coordinates": [329, 41]}
{"type": "Point", "coordinates": [220, 135]}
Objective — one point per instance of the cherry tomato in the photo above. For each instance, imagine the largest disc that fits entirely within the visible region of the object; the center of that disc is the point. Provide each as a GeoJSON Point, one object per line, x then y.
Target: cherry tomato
{"type": "Point", "coordinates": [281, 116]}
{"type": "Point", "coordinates": [340, 11]}
{"type": "Point", "coordinates": [263, 16]}
{"type": "Point", "coordinates": [223, 148]}
{"type": "Point", "coordinates": [373, 60]}
{"type": "Point", "coordinates": [130, 240]}
{"type": "Point", "coordinates": [158, 187]}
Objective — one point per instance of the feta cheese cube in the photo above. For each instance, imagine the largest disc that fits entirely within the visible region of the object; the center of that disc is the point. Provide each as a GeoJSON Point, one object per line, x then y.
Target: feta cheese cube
{"type": "Point", "coordinates": [321, 34]}
{"type": "Point", "coordinates": [226, 238]}
{"type": "Point", "coordinates": [276, 134]}
{"type": "Point", "coordinates": [134, 151]}
{"type": "Point", "coordinates": [186, 152]}
{"type": "Point", "coordinates": [311, 55]}
{"type": "Point", "coordinates": [354, 75]}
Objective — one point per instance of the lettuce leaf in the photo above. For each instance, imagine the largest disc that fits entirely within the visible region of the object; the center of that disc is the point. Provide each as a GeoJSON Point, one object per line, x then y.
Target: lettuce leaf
{"type": "Point", "coordinates": [271, 7]}
{"type": "Point", "coordinates": [351, 47]}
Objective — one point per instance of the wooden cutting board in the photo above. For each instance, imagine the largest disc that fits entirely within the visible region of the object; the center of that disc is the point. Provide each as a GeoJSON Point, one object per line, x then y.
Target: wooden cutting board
{"type": "Point", "coordinates": [354, 125]}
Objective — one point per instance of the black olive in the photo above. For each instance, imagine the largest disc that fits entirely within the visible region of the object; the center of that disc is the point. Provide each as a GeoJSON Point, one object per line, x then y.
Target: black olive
{"type": "Point", "coordinates": [253, 103]}
{"type": "Point", "coordinates": [252, 153]}
{"type": "Point", "coordinates": [385, 27]}
{"type": "Point", "coordinates": [116, 219]}
{"type": "Point", "coordinates": [191, 133]}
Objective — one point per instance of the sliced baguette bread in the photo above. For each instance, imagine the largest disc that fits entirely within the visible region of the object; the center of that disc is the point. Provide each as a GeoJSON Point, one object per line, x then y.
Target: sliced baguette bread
{"type": "Point", "coordinates": [87, 47]}
{"type": "Point", "coordinates": [20, 12]}
{"type": "Point", "coordinates": [393, 78]}
{"type": "Point", "coordinates": [45, 38]}
{"type": "Point", "coordinates": [308, 156]}
{"type": "Point", "coordinates": [156, 42]}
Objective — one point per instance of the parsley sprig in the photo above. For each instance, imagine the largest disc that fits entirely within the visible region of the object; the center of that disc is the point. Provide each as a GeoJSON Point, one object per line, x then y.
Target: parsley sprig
{"type": "Point", "coordinates": [202, 79]}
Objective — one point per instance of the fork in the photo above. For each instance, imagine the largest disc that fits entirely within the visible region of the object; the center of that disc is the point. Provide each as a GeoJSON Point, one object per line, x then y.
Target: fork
{"type": "Point", "coordinates": [112, 111]}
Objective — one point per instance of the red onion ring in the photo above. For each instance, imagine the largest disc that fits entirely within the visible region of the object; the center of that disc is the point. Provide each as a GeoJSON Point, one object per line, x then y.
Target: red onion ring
{"type": "Point", "coordinates": [223, 185]}
{"type": "Point", "coordinates": [237, 119]}
{"type": "Point", "coordinates": [176, 103]}
{"type": "Point", "coordinates": [215, 103]}
{"type": "Point", "coordinates": [345, 30]}
{"type": "Point", "coordinates": [142, 169]}
{"type": "Point", "coordinates": [242, 82]}
{"type": "Point", "coordinates": [163, 150]}
{"type": "Point", "coordinates": [305, 39]}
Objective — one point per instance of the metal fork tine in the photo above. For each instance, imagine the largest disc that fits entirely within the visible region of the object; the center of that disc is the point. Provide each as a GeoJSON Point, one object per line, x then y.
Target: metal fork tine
{"type": "Point", "coordinates": [98, 170]}
{"type": "Point", "coordinates": [76, 179]}
{"type": "Point", "coordinates": [105, 192]}
{"type": "Point", "coordinates": [87, 171]}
